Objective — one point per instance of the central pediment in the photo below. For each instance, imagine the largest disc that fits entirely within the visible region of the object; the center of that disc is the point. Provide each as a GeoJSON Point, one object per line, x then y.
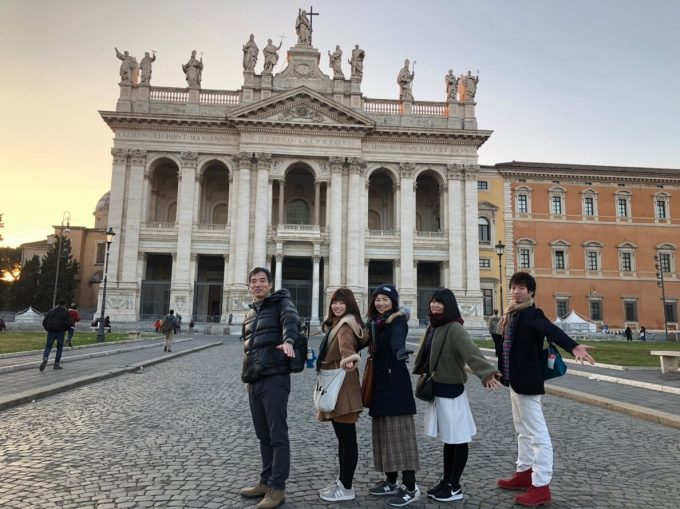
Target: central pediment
{"type": "Point", "coordinates": [302, 108]}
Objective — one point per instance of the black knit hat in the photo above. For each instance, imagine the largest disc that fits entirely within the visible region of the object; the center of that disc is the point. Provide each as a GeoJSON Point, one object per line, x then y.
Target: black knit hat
{"type": "Point", "coordinates": [388, 290]}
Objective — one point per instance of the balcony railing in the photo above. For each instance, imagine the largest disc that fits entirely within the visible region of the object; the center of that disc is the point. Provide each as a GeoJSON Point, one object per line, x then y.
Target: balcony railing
{"type": "Point", "coordinates": [429, 235]}
{"type": "Point", "coordinates": [160, 225]}
{"type": "Point", "coordinates": [210, 226]}
{"type": "Point", "coordinates": [171, 95]}
{"type": "Point", "coordinates": [221, 97]}
{"type": "Point", "coordinates": [431, 109]}
{"type": "Point", "coordinates": [382, 233]}
{"type": "Point", "coordinates": [298, 228]}
{"type": "Point", "coordinates": [382, 106]}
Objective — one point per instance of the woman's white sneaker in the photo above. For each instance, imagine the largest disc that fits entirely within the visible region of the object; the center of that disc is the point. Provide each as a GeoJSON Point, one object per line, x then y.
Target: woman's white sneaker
{"type": "Point", "coordinates": [338, 493]}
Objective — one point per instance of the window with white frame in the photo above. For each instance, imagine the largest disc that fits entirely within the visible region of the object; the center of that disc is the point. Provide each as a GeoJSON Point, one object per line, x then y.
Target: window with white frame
{"type": "Point", "coordinates": [525, 254]}
{"type": "Point", "coordinates": [666, 254]}
{"type": "Point", "coordinates": [661, 205]}
{"type": "Point", "coordinates": [485, 263]}
{"type": "Point", "coordinates": [523, 200]}
{"type": "Point", "coordinates": [595, 308]}
{"type": "Point", "coordinates": [558, 259]}
{"type": "Point", "coordinates": [590, 204]}
{"type": "Point", "coordinates": [627, 257]}
{"type": "Point", "coordinates": [484, 226]}
{"type": "Point", "coordinates": [630, 310]}
{"type": "Point", "coordinates": [482, 185]}
{"type": "Point", "coordinates": [593, 256]}
{"type": "Point", "coordinates": [562, 306]}
{"type": "Point", "coordinates": [671, 309]}
{"type": "Point", "coordinates": [557, 204]}
{"type": "Point", "coordinates": [623, 208]}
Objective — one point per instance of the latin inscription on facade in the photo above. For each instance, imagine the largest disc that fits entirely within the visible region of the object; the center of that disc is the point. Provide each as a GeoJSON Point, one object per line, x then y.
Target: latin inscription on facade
{"type": "Point", "coordinates": [224, 139]}
{"type": "Point", "coordinates": [418, 148]}
{"type": "Point", "coordinates": [300, 141]}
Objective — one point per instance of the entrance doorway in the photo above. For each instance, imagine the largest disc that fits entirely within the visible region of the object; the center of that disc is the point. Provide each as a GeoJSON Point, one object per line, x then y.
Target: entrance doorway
{"type": "Point", "coordinates": [428, 283]}
{"type": "Point", "coordinates": [208, 289]}
{"type": "Point", "coordinates": [297, 279]}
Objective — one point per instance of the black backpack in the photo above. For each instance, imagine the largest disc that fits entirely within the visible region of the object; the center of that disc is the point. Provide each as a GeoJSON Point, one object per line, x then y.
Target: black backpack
{"type": "Point", "coordinates": [168, 323]}
{"type": "Point", "coordinates": [297, 363]}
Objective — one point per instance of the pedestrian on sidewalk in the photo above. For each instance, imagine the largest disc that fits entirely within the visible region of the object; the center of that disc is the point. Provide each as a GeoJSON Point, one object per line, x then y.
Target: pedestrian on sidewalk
{"type": "Point", "coordinates": [169, 325]}
{"type": "Point", "coordinates": [628, 333]}
{"type": "Point", "coordinates": [75, 318]}
{"type": "Point", "coordinates": [345, 336]}
{"type": "Point", "coordinates": [444, 350]}
{"type": "Point", "coordinates": [392, 404]}
{"type": "Point", "coordinates": [270, 331]}
{"type": "Point", "coordinates": [519, 347]}
{"type": "Point", "coordinates": [493, 323]}
{"type": "Point", "coordinates": [643, 333]}
{"type": "Point", "coordinates": [56, 322]}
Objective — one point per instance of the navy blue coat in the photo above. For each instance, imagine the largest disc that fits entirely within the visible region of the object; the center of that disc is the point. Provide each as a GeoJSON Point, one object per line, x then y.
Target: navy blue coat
{"type": "Point", "coordinates": [392, 390]}
{"type": "Point", "coordinates": [529, 328]}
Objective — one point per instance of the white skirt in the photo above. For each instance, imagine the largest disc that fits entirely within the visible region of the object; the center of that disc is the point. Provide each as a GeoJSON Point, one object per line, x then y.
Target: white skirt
{"type": "Point", "coordinates": [450, 420]}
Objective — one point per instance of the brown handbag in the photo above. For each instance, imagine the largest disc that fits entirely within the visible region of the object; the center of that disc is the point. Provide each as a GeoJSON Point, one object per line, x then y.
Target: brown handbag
{"type": "Point", "coordinates": [367, 383]}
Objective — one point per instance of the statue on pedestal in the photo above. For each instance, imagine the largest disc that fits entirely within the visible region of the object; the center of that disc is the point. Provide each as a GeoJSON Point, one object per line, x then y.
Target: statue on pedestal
{"type": "Point", "coordinates": [404, 80]}
{"type": "Point", "coordinates": [193, 70]}
{"type": "Point", "coordinates": [467, 87]}
{"type": "Point", "coordinates": [250, 51]}
{"type": "Point", "coordinates": [451, 86]}
{"type": "Point", "coordinates": [126, 67]}
{"type": "Point", "coordinates": [303, 28]}
{"type": "Point", "coordinates": [335, 63]}
{"type": "Point", "coordinates": [357, 63]}
{"type": "Point", "coordinates": [145, 66]}
{"type": "Point", "coordinates": [271, 56]}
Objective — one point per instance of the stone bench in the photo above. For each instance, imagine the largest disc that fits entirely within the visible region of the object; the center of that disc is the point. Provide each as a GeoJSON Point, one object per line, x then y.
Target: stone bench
{"type": "Point", "coordinates": [669, 359]}
{"type": "Point", "coordinates": [95, 328]}
{"type": "Point", "coordinates": [134, 335]}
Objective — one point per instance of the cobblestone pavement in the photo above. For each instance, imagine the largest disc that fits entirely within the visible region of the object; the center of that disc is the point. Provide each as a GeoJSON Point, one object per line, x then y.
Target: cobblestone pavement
{"type": "Point", "coordinates": [179, 434]}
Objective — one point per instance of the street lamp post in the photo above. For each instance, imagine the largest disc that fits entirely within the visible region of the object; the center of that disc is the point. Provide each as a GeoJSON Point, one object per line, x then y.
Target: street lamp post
{"type": "Point", "coordinates": [660, 283]}
{"type": "Point", "coordinates": [66, 218]}
{"type": "Point", "coordinates": [500, 250]}
{"type": "Point", "coordinates": [100, 331]}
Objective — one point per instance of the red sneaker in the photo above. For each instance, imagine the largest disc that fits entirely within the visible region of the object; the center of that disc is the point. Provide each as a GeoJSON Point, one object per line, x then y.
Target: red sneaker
{"type": "Point", "coordinates": [518, 481]}
{"type": "Point", "coordinates": [535, 496]}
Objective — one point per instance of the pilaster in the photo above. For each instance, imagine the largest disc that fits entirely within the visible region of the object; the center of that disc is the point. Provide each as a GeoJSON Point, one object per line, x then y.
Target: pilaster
{"type": "Point", "coordinates": [454, 173]}
{"type": "Point", "coordinates": [261, 207]}
{"type": "Point", "coordinates": [134, 216]}
{"type": "Point", "coordinates": [336, 213]}
{"type": "Point", "coordinates": [185, 219]}
{"type": "Point", "coordinates": [355, 232]}
{"type": "Point", "coordinates": [239, 251]}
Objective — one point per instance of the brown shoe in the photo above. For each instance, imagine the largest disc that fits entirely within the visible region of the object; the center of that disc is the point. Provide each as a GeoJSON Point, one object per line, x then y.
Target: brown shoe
{"type": "Point", "coordinates": [259, 490]}
{"type": "Point", "coordinates": [273, 498]}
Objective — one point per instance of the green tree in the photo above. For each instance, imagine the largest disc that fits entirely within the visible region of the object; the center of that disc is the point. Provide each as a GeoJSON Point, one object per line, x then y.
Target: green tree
{"type": "Point", "coordinates": [10, 267]}
{"type": "Point", "coordinates": [68, 275]}
{"type": "Point", "coordinates": [25, 287]}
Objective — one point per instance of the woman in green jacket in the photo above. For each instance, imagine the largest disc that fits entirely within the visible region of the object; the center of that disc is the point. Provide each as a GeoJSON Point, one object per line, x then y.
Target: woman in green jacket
{"type": "Point", "coordinates": [446, 348]}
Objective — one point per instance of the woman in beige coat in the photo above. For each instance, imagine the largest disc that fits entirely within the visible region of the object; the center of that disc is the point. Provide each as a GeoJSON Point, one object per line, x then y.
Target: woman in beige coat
{"type": "Point", "coordinates": [345, 336]}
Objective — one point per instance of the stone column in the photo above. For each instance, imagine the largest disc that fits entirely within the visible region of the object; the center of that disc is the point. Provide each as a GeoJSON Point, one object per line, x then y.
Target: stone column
{"type": "Point", "coordinates": [261, 207]}
{"type": "Point", "coordinates": [354, 254]}
{"type": "Point", "coordinates": [181, 282]}
{"type": "Point", "coordinates": [225, 291]}
{"type": "Point", "coordinates": [336, 213]}
{"type": "Point", "coordinates": [317, 201]}
{"type": "Point", "coordinates": [278, 278]}
{"type": "Point", "coordinates": [239, 251]}
{"type": "Point", "coordinates": [407, 290]}
{"type": "Point", "coordinates": [456, 204]}
{"type": "Point", "coordinates": [471, 231]}
{"type": "Point", "coordinates": [116, 204]}
{"type": "Point", "coordinates": [315, 287]}
{"type": "Point", "coordinates": [397, 273]}
{"type": "Point", "coordinates": [233, 226]}
{"type": "Point", "coordinates": [282, 184]}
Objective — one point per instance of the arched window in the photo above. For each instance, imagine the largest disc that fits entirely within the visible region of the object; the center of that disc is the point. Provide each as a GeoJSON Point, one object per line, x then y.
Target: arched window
{"type": "Point", "coordinates": [297, 212]}
{"type": "Point", "coordinates": [484, 231]}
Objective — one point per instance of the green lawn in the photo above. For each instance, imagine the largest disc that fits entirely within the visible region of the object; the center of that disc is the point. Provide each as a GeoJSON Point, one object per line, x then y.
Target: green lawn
{"type": "Point", "coordinates": [16, 341]}
{"type": "Point", "coordinates": [622, 353]}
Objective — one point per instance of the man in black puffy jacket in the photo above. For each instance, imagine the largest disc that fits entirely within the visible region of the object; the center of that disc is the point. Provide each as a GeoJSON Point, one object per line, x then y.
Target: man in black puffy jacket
{"type": "Point", "coordinates": [270, 330]}
{"type": "Point", "coordinates": [56, 322]}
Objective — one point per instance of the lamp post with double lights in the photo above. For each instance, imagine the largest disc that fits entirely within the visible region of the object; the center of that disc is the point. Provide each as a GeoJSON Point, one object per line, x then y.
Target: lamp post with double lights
{"type": "Point", "coordinates": [660, 283]}
{"type": "Point", "coordinates": [100, 331]}
{"type": "Point", "coordinates": [500, 250]}
{"type": "Point", "coordinates": [66, 218]}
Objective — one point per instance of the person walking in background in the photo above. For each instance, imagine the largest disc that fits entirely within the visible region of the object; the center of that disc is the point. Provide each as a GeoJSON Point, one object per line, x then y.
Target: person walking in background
{"type": "Point", "coordinates": [169, 326]}
{"type": "Point", "coordinates": [345, 336]}
{"type": "Point", "coordinates": [392, 406]}
{"type": "Point", "coordinates": [519, 348]}
{"type": "Point", "coordinates": [56, 322]}
{"type": "Point", "coordinates": [270, 332]}
{"type": "Point", "coordinates": [493, 323]}
{"type": "Point", "coordinates": [447, 346]}
{"type": "Point", "coordinates": [628, 333]}
{"type": "Point", "coordinates": [75, 318]}
{"type": "Point", "coordinates": [643, 333]}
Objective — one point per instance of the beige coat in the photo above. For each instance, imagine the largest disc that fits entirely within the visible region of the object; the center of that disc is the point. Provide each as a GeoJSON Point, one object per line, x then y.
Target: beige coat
{"type": "Point", "coordinates": [344, 343]}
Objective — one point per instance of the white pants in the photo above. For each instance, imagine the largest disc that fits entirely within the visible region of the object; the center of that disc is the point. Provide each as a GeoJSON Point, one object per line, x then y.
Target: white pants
{"type": "Point", "coordinates": [534, 448]}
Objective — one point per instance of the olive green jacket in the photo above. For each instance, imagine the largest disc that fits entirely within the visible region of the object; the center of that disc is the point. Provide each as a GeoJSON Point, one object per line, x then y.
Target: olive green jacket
{"type": "Point", "coordinates": [457, 350]}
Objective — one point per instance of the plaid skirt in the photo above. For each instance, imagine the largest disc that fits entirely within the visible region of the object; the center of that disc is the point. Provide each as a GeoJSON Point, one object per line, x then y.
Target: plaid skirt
{"type": "Point", "coordinates": [394, 443]}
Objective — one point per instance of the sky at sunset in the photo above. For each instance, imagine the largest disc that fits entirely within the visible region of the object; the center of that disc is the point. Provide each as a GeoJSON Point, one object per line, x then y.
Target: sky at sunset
{"type": "Point", "coordinates": [579, 81]}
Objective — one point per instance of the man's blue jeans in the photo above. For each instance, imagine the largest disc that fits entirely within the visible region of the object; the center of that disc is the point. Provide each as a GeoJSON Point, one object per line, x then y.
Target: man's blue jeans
{"type": "Point", "coordinates": [51, 336]}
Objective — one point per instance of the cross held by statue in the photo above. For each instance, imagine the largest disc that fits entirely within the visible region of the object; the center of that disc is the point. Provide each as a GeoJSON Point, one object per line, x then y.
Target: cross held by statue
{"type": "Point", "coordinates": [311, 13]}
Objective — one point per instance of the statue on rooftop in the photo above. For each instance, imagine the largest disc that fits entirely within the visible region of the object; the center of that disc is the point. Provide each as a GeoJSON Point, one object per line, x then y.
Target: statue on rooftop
{"type": "Point", "coordinates": [357, 63]}
{"type": "Point", "coordinates": [404, 80]}
{"type": "Point", "coordinates": [271, 56]}
{"type": "Point", "coordinates": [303, 28]}
{"type": "Point", "coordinates": [467, 87]}
{"type": "Point", "coordinates": [193, 70]}
{"type": "Point", "coordinates": [451, 86]}
{"type": "Point", "coordinates": [335, 63]}
{"type": "Point", "coordinates": [145, 66]}
{"type": "Point", "coordinates": [125, 67]}
{"type": "Point", "coordinates": [250, 52]}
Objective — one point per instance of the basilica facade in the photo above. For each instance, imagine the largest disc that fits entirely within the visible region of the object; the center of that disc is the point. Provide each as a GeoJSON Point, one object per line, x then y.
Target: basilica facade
{"type": "Point", "coordinates": [298, 172]}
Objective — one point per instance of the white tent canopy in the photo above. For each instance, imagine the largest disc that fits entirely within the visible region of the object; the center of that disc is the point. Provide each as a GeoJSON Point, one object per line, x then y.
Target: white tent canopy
{"type": "Point", "coordinates": [574, 323]}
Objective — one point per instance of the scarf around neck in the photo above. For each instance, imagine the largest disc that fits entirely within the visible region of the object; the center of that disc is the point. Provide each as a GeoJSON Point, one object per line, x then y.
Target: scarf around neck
{"type": "Point", "coordinates": [512, 310]}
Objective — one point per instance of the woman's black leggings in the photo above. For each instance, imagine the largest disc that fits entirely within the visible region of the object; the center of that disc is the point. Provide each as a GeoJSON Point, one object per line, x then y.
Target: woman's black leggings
{"type": "Point", "coordinates": [455, 458]}
{"type": "Point", "coordinates": [348, 451]}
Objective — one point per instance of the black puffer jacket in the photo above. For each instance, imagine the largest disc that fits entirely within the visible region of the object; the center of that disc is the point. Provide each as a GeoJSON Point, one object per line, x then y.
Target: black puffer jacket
{"type": "Point", "coordinates": [57, 319]}
{"type": "Point", "coordinates": [268, 324]}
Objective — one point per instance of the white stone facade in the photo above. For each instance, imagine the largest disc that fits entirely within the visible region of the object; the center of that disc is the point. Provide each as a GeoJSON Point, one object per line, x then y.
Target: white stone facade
{"type": "Point", "coordinates": [296, 172]}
